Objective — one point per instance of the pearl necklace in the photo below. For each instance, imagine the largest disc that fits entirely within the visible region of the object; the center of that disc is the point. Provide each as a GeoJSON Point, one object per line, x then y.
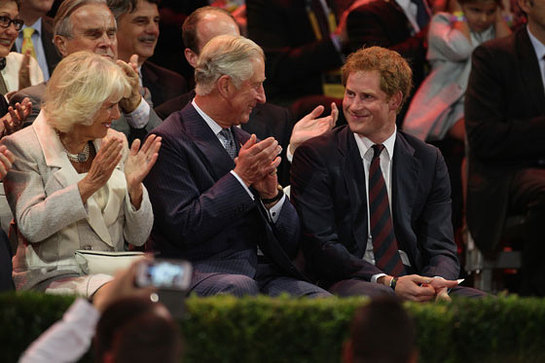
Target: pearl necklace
{"type": "Point", "coordinates": [79, 157]}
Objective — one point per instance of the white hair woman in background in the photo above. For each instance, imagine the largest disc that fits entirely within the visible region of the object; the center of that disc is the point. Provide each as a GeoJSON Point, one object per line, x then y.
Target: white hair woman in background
{"type": "Point", "coordinates": [74, 183]}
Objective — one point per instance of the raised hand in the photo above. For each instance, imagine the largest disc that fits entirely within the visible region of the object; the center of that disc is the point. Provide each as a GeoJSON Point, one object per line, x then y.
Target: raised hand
{"type": "Point", "coordinates": [130, 103]}
{"type": "Point", "coordinates": [256, 160]}
{"type": "Point", "coordinates": [6, 160]}
{"type": "Point", "coordinates": [102, 167]}
{"type": "Point", "coordinates": [13, 120]}
{"type": "Point", "coordinates": [311, 126]}
{"type": "Point", "coordinates": [24, 71]}
{"type": "Point", "coordinates": [138, 164]}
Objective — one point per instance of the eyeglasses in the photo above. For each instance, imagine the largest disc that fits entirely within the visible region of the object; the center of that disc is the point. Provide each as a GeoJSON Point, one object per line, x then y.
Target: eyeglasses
{"type": "Point", "coordinates": [5, 22]}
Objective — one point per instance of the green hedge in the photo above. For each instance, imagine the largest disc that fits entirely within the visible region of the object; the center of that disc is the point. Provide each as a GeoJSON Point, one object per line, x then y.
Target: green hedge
{"type": "Point", "coordinates": [263, 329]}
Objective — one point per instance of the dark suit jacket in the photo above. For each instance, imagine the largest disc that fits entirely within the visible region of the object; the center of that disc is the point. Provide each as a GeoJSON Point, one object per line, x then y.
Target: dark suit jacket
{"type": "Point", "coordinates": [202, 212]}
{"type": "Point", "coordinates": [505, 123]}
{"type": "Point", "coordinates": [383, 23]}
{"type": "Point", "coordinates": [265, 120]}
{"type": "Point", "coordinates": [51, 54]}
{"type": "Point", "coordinates": [295, 60]}
{"type": "Point", "coordinates": [328, 190]}
{"type": "Point", "coordinates": [163, 84]}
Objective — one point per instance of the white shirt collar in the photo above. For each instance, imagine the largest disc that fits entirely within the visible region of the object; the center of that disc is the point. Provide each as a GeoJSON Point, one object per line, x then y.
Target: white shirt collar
{"type": "Point", "coordinates": [364, 144]}
{"type": "Point", "coordinates": [211, 123]}
{"type": "Point", "coordinates": [539, 47]}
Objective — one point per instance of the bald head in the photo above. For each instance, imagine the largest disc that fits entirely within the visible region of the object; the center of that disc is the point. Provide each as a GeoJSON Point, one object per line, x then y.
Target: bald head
{"type": "Point", "coordinates": [204, 24]}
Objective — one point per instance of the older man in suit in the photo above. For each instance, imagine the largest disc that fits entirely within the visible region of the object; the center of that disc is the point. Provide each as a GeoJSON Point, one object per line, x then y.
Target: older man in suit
{"type": "Point", "coordinates": [266, 119]}
{"type": "Point", "coordinates": [346, 182]}
{"type": "Point", "coordinates": [214, 188]}
{"type": "Point", "coordinates": [90, 25]}
{"type": "Point", "coordinates": [505, 122]}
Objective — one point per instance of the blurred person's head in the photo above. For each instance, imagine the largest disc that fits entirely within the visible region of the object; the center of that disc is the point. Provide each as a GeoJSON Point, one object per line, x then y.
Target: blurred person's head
{"type": "Point", "coordinates": [137, 27]}
{"type": "Point", "coordinates": [202, 25]}
{"type": "Point", "coordinates": [377, 83]}
{"type": "Point", "coordinates": [135, 329]}
{"type": "Point", "coordinates": [85, 25]}
{"type": "Point", "coordinates": [82, 94]}
{"type": "Point", "coordinates": [381, 332]}
{"type": "Point", "coordinates": [10, 25]}
{"type": "Point", "coordinates": [480, 14]}
{"type": "Point", "coordinates": [535, 14]}
{"type": "Point", "coordinates": [32, 10]}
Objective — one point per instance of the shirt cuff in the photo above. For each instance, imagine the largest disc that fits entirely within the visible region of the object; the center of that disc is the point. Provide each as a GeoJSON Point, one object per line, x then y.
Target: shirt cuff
{"type": "Point", "coordinates": [374, 278]}
{"type": "Point", "coordinates": [289, 155]}
{"type": "Point", "coordinates": [274, 211]}
{"type": "Point", "coordinates": [243, 184]}
{"type": "Point", "coordinates": [139, 118]}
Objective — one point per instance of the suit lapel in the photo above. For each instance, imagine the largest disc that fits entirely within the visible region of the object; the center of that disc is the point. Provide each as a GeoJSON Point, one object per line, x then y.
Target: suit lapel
{"type": "Point", "coordinates": [65, 174]}
{"type": "Point", "coordinates": [354, 179]}
{"type": "Point", "coordinates": [405, 174]}
{"type": "Point", "coordinates": [213, 153]}
{"type": "Point", "coordinates": [529, 68]}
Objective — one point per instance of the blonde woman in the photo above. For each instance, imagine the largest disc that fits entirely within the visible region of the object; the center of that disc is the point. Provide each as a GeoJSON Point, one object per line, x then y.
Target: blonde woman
{"type": "Point", "coordinates": [74, 183]}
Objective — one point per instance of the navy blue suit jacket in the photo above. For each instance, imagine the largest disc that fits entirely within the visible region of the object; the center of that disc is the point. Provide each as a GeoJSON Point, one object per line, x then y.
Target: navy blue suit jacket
{"type": "Point", "coordinates": [505, 124]}
{"type": "Point", "coordinates": [203, 213]}
{"type": "Point", "coordinates": [328, 190]}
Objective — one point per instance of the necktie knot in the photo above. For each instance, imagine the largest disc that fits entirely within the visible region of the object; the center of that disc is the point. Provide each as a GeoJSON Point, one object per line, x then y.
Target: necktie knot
{"type": "Point", "coordinates": [27, 45]}
{"type": "Point", "coordinates": [229, 142]}
{"type": "Point", "coordinates": [377, 149]}
{"type": "Point", "coordinates": [27, 32]}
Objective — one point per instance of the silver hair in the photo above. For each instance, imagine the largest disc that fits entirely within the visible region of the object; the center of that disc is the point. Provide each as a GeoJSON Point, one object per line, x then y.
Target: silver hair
{"type": "Point", "coordinates": [225, 55]}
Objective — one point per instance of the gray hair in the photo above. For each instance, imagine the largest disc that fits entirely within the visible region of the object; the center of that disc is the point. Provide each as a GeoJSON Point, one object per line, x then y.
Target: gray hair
{"type": "Point", "coordinates": [79, 86]}
{"type": "Point", "coordinates": [62, 25]}
{"type": "Point", "coordinates": [120, 7]}
{"type": "Point", "coordinates": [225, 55]}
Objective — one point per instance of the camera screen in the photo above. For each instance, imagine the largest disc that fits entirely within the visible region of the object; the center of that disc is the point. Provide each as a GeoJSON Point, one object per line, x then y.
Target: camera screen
{"type": "Point", "coordinates": [166, 274]}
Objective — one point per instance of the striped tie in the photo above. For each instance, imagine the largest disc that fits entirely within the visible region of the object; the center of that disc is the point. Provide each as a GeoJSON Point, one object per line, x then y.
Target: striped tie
{"type": "Point", "coordinates": [382, 232]}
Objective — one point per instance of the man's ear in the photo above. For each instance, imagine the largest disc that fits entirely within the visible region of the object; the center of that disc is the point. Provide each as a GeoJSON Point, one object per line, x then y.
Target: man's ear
{"type": "Point", "coordinates": [60, 42]}
{"type": "Point", "coordinates": [225, 86]}
{"type": "Point", "coordinates": [395, 101]}
{"type": "Point", "coordinates": [191, 57]}
{"type": "Point", "coordinates": [525, 5]}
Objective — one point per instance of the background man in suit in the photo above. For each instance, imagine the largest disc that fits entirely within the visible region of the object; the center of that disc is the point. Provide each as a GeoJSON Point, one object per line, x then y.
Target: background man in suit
{"type": "Point", "coordinates": [505, 124]}
{"type": "Point", "coordinates": [302, 45]}
{"type": "Point", "coordinates": [137, 33]}
{"type": "Point", "coordinates": [215, 190]}
{"type": "Point", "coordinates": [33, 12]}
{"type": "Point", "coordinates": [349, 239]}
{"type": "Point", "coordinates": [90, 25]}
{"type": "Point", "coordinates": [266, 119]}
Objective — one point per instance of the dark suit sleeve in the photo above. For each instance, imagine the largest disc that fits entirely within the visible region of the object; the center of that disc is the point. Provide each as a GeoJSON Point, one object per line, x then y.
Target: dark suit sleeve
{"type": "Point", "coordinates": [434, 227]}
{"type": "Point", "coordinates": [185, 213]}
{"type": "Point", "coordinates": [494, 92]}
{"type": "Point", "coordinates": [190, 207]}
{"type": "Point", "coordinates": [312, 193]}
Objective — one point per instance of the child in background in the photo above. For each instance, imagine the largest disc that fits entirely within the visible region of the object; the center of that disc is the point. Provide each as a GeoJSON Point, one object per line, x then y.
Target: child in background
{"type": "Point", "coordinates": [437, 108]}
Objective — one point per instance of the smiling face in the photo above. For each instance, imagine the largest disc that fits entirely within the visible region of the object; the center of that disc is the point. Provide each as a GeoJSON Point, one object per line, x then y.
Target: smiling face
{"type": "Point", "coordinates": [480, 15]}
{"type": "Point", "coordinates": [367, 108]}
{"type": "Point", "coordinates": [102, 121]}
{"type": "Point", "coordinates": [8, 35]}
{"type": "Point", "coordinates": [138, 31]}
{"type": "Point", "coordinates": [243, 99]}
{"type": "Point", "coordinates": [93, 29]}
